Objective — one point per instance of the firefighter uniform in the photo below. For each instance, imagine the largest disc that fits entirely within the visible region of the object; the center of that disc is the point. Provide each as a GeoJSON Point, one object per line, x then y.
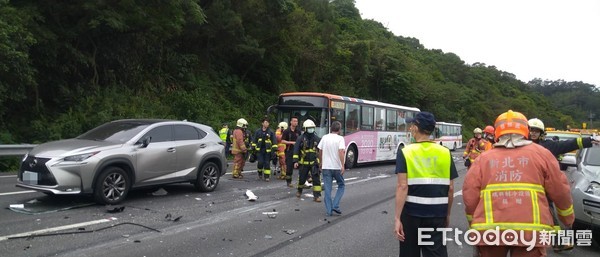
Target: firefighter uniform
{"type": "Point", "coordinates": [265, 146]}
{"type": "Point", "coordinates": [305, 155]}
{"type": "Point", "coordinates": [281, 149]}
{"type": "Point", "coordinates": [239, 148]}
{"type": "Point", "coordinates": [510, 186]}
{"type": "Point", "coordinates": [475, 146]}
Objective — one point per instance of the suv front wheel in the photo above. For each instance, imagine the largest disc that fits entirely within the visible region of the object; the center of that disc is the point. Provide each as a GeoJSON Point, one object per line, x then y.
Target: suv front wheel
{"type": "Point", "coordinates": [208, 177]}
{"type": "Point", "coordinates": [111, 186]}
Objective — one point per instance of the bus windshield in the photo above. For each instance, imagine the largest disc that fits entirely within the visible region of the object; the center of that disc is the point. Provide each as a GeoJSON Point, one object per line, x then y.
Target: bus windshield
{"type": "Point", "coordinates": [318, 115]}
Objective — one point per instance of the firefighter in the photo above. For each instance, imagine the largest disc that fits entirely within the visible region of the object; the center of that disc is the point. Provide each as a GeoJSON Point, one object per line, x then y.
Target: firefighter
{"type": "Point", "coordinates": [557, 148]}
{"type": "Point", "coordinates": [509, 188]}
{"type": "Point", "coordinates": [474, 148]}
{"type": "Point", "coordinates": [306, 160]}
{"type": "Point", "coordinates": [239, 148]}
{"type": "Point", "coordinates": [488, 136]}
{"type": "Point", "coordinates": [281, 148]}
{"type": "Point", "coordinates": [264, 144]}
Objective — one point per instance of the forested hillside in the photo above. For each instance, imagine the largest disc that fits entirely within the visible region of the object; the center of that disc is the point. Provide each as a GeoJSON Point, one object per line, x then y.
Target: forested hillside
{"type": "Point", "coordinates": [67, 66]}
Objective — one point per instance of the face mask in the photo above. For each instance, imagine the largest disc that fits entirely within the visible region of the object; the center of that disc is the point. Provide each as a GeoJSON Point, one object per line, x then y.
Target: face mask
{"type": "Point", "coordinates": [310, 130]}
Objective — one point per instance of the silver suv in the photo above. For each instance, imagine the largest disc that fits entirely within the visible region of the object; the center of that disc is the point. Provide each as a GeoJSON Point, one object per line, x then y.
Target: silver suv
{"type": "Point", "coordinates": [110, 160]}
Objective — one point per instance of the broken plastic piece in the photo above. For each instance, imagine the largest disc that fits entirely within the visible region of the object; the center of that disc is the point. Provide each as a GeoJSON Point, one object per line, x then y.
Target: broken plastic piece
{"type": "Point", "coordinates": [271, 214]}
{"type": "Point", "coordinates": [289, 231]}
{"type": "Point", "coordinates": [251, 196]}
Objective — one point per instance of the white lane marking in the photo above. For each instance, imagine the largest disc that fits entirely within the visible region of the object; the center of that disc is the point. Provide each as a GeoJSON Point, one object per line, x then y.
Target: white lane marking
{"type": "Point", "coordinates": [47, 230]}
{"type": "Point", "coordinates": [17, 192]}
{"type": "Point", "coordinates": [367, 179]}
{"type": "Point", "coordinates": [458, 193]}
{"type": "Point", "coordinates": [8, 176]}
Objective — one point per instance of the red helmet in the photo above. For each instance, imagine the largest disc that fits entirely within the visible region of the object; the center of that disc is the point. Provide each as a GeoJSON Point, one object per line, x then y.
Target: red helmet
{"type": "Point", "coordinates": [489, 130]}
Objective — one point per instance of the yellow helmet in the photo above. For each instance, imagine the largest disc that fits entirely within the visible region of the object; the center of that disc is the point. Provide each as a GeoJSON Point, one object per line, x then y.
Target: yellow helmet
{"type": "Point", "coordinates": [536, 123]}
{"type": "Point", "coordinates": [477, 131]}
{"type": "Point", "coordinates": [309, 124]}
{"type": "Point", "coordinates": [283, 125]}
{"type": "Point", "coordinates": [242, 123]}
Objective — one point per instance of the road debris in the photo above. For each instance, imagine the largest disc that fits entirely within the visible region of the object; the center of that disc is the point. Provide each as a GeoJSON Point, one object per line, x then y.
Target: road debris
{"type": "Point", "coordinates": [160, 192]}
{"type": "Point", "coordinates": [251, 196]}
{"type": "Point", "coordinates": [271, 214]}
{"type": "Point", "coordinates": [289, 231]}
{"type": "Point", "coordinates": [114, 209]}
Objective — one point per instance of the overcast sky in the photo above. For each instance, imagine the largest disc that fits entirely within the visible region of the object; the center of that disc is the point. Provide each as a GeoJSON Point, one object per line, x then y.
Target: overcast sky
{"type": "Point", "coordinates": [547, 39]}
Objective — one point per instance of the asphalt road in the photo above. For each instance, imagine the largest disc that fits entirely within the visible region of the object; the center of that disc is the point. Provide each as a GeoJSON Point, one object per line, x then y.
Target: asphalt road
{"type": "Point", "coordinates": [176, 220]}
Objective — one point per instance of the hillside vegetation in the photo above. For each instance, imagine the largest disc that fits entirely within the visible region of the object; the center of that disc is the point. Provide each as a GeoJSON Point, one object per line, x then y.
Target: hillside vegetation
{"type": "Point", "coordinates": [68, 66]}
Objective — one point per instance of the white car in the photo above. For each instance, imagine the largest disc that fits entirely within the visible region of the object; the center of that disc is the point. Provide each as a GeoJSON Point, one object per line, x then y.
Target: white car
{"type": "Point", "coordinates": [585, 189]}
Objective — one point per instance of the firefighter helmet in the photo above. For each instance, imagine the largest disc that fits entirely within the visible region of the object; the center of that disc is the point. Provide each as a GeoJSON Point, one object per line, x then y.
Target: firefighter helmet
{"type": "Point", "coordinates": [309, 124]}
{"type": "Point", "coordinates": [489, 130]}
{"type": "Point", "coordinates": [536, 123]}
{"type": "Point", "coordinates": [511, 123]}
{"type": "Point", "coordinates": [283, 125]}
{"type": "Point", "coordinates": [242, 123]}
{"type": "Point", "coordinates": [477, 131]}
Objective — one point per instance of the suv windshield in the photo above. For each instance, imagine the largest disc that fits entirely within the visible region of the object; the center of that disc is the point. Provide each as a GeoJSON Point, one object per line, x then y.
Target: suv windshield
{"type": "Point", "coordinates": [120, 131]}
{"type": "Point", "coordinates": [593, 156]}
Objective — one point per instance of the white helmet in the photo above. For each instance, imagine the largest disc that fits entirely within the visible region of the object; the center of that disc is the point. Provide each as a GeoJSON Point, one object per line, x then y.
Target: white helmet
{"type": "Point", "coordinates": [283, 125]}
{"type": "Point", "coordinates": [309, 124]}
{"type": "Point", "coordinates": [536, 123]}
{"type": "Point", "coordinates": [242, 123]}
{"type": "Point", "coordinates": [477, 131]}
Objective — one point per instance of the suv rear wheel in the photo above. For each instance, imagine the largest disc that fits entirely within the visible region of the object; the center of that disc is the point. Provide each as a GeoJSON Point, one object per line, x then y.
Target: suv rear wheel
{"type": "Point", "coordinates": [112, 186]}
{"type": "Point", "coordinates": [208, 177]}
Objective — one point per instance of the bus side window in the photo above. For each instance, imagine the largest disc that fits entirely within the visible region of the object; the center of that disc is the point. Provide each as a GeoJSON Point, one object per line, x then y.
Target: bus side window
{"type": "Point", "coordinates": [367, 117]}
{"type": "Point", "coordinates": [352, 118]}
{"type": "Point", "coordinates": [391, 120]}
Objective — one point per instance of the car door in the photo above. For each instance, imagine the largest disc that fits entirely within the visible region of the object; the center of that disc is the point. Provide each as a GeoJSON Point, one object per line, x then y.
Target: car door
{"type": "Point", "coordinates": [159, 158]}
{"type": "Point", "coordinates": [190, 145]}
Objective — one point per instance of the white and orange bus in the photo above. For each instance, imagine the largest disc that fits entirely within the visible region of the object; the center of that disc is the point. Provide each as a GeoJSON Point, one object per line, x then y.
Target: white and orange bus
{"type": "Point", "coordinates": [373, 131]}
{"type": "Point", "coordinates": [448, 135]}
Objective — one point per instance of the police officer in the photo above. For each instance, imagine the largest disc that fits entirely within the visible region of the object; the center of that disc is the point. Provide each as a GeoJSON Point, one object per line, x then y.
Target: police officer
{"type": "Point", "coordinates": [265, 146]}
{"type": "Point", "coordinates": [424, 191]}
{"type": "Point", "coordinates": [305, 159]}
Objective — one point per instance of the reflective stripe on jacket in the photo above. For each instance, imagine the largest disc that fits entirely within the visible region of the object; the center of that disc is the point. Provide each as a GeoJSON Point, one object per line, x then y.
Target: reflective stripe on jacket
{"type": "Point", "coordinates": [428, 177]}
{"type": "Point", "coordinates": [509, 189]}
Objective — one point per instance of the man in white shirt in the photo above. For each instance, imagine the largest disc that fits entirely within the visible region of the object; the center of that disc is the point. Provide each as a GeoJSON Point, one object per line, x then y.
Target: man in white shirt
{"type": "Point", "coordinates": [332, 152]}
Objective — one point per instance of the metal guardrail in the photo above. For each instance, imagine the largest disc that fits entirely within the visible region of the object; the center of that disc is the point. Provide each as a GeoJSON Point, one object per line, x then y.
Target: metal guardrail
{"type": "Point", "coordinates": [15, 150]}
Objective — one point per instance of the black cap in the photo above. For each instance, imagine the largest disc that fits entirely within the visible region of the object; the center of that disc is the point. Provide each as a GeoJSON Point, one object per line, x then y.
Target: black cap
{"type": "Point", "coordinates": [423, 120]}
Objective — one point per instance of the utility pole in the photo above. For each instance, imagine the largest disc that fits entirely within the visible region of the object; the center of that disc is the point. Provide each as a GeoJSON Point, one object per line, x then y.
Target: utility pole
{"type": "Point", "coordinates": [591, 117]}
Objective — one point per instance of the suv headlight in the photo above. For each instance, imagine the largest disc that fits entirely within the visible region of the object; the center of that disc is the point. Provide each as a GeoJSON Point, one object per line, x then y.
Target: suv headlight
{"type": "Point", "coordinates": [593, 189]}
{"type": "Point", "coordinates": [79, 157]}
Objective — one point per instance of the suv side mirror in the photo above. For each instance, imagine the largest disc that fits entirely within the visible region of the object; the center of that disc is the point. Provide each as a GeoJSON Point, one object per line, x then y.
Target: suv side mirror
{"type": "Point", "coordinates": [146, 141]}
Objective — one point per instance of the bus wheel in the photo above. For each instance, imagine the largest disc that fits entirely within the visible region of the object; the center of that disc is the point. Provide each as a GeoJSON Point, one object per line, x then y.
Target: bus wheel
{"type": "Point", "coordinates": [351, 157]}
